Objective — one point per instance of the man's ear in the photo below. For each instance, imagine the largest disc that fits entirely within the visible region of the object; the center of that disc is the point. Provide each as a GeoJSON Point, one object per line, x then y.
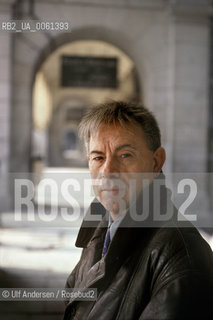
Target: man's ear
{"type": "Point", "coordinates": [159, 159]}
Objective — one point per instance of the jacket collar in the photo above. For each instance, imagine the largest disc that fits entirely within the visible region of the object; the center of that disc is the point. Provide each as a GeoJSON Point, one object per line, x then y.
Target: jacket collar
{"type": "Point", "coordinates": [95, 219]}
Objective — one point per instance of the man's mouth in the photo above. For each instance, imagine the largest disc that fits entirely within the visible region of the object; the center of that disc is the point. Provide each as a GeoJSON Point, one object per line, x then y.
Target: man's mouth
{"type": "Point", "coordinates": [113, 186]}
{"type": "Point", "coordinates": [110, 189]}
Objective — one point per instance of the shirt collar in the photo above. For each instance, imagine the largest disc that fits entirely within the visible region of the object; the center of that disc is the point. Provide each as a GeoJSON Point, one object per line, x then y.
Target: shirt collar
{"type": "Point", "coordinates": [113, 225]}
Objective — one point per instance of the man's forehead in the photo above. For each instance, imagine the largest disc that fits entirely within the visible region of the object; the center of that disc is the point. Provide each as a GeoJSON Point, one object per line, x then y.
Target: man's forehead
{"type": "Point", "coordinates": [118, 136]}
{"type": "Point", "coordinates": [115, 138]}
{"type": "Point", "coordinates": [127, 130]}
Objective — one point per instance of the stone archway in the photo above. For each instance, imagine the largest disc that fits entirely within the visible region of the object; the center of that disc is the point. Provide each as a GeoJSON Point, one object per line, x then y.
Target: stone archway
{"type": "Point", "coordinates": [96, 72]}
{"type": "Point", "coordinates": [27, 67]}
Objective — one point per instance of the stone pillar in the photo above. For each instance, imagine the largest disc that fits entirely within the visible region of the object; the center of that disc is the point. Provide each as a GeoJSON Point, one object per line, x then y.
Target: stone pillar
{"type": "Point", "coordinates": [5, 105]}
{"type": "Point", "coordinates": [191, 93]}
{"type": "Point", "coordinates": [191, 102]}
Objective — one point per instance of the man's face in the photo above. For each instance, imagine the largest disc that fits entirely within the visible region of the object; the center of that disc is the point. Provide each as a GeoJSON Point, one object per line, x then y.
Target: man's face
{"type": "Point", "coordinates": [117, 158]}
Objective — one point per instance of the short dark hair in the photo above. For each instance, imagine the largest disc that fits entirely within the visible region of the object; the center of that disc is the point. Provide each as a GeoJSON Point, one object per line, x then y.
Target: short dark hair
{"type": "Point", "coordinates": [123, 113]}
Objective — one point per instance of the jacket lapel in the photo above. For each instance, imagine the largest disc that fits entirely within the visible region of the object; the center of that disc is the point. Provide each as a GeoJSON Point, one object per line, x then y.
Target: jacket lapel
{"type": "Point", "coordinates": [95, 219]}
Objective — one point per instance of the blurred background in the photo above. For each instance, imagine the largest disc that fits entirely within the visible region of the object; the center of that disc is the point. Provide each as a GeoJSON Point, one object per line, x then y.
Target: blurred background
{"type": "Point", "coordinates": [159, 52]}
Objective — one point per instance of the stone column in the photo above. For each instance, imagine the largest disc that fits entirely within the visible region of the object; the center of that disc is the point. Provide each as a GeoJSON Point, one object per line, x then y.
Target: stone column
{"type": "Point", "coordinates": [5, 104]}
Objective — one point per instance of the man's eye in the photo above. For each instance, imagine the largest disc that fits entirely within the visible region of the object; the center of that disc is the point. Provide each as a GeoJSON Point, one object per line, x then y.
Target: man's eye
{"type": "Point", "coordinates": [125, 155]}
{"type": "Point", "coordinates": [97, 158]}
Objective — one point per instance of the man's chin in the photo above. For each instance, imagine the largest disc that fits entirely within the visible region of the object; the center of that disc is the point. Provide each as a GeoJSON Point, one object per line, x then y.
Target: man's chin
{"type": "Point", "coordinates": [115, 208]}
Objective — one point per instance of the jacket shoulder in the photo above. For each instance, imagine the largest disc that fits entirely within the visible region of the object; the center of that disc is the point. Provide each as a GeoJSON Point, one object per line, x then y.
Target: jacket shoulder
{"type": "Point", "coordinates": [181, 249]}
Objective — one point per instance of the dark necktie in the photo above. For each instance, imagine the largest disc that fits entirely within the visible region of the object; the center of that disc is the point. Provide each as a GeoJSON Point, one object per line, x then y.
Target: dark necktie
{"type": "Point", "coordinates": [106, 242]}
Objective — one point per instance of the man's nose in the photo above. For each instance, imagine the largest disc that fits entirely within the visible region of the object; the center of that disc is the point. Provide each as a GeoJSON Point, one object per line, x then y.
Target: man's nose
{"type": "Point", "coordinates": [110, 166]}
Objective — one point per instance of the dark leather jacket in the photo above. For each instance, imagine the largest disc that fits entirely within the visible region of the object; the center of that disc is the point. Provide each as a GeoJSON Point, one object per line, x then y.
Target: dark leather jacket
{"type": "Point", "coordinates": [159, 272]}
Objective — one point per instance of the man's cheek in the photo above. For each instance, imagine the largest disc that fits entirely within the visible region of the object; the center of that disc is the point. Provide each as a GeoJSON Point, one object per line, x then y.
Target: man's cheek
{"type": "Point", "coordinates": [97, 188]}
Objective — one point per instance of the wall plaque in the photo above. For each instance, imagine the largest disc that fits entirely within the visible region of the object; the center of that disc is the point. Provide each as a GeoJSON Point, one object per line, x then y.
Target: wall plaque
{"type": "Point", "coordinates": [88, 72]}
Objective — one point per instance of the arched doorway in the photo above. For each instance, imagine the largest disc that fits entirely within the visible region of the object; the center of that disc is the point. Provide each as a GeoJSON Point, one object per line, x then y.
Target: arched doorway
{"type": "Point", "coordinates": [72, 79]}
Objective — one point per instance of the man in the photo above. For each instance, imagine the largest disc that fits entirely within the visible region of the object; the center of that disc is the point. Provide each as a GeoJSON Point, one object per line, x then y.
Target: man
{"type": "Point", "coordinates": [143, 262]}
